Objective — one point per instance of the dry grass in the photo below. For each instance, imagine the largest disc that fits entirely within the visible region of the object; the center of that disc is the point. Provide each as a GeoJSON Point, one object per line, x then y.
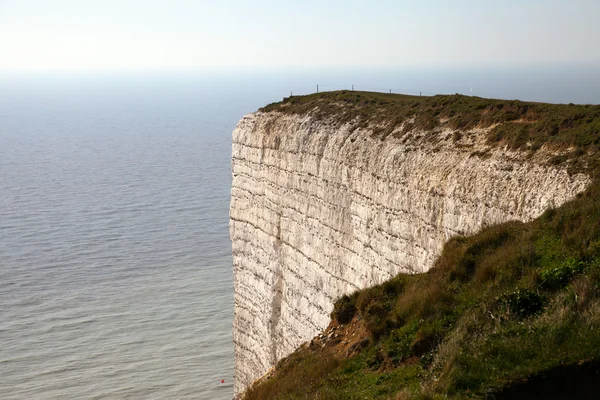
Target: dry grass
{"type": "Point", "coordinates": [303, 373]}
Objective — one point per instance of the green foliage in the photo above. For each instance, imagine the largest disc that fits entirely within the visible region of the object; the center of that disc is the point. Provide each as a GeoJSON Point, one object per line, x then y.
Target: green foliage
{"type": "Point", "coordinates": [523, 302]}
{"type": "Point", "coordinates": [398, 346]}
{"type": "Point", "coordinates": [558, 277]}
{"type": "Point", "coordinates": [517, 351]}
{"type": "Point", "coordinates": [376, 304]}
{"type": "Point", "coordinates": [344, 309]}
{"type": "Point", "coordinates": [358, 381]}
{"type": "Point", "coordinates": [303, 373]}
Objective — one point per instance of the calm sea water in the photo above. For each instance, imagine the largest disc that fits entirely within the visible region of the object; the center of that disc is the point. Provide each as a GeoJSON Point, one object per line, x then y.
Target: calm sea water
{"type": "Point", "coordinates": [115, 262]}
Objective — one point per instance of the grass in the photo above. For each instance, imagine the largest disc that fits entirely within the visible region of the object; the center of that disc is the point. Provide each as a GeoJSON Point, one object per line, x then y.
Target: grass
{"type": "Point", "coordinates": [501, 309]}
{"type": "Point", "coordinates": [515, 124]}
{"type": "Point", "coordinates": [306, 375]}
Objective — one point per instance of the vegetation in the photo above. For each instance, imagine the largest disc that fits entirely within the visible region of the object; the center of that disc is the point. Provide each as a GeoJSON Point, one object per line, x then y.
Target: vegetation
{"type": "Point", "coordinates": [516, 124]}
{"type": "Point", "coordinates": [505, 313]}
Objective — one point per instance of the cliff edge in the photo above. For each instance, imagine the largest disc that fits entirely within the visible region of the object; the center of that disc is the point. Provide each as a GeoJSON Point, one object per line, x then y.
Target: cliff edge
{"type": "Point", "coordinates": [341, 191]}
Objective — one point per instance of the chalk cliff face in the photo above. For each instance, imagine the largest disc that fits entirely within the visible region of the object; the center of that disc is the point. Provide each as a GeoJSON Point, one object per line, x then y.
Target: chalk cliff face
{"type": "Point", "coordinates": [319, 210]}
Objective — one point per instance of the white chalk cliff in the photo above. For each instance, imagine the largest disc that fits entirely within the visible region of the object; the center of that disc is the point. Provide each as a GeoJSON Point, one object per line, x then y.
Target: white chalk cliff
{"type": "Point", "coordinates": [319, 210]}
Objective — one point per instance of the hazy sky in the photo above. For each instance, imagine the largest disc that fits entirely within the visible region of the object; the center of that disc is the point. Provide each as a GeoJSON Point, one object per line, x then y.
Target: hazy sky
{"type": "Point", "coordinates": [163, 34]}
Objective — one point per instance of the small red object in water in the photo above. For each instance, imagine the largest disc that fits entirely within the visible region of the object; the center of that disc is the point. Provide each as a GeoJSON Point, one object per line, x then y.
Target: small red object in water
{"type": "Point", "coordinates": [222, 380]}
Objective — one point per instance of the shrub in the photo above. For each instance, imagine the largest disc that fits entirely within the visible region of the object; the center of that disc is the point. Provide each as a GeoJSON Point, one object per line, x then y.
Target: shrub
{"type": "Point", "coordinates": [558, 277]}
{"type": "Point", "coordinates": [344, 309]}
{"type": "Point", "coordinates": [523, 302]}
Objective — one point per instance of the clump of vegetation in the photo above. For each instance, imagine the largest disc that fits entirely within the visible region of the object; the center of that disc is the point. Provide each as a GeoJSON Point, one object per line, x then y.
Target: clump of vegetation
{"type": "Point", "coordinates": [503, 313]}
{"type": "Point", "coordinates": [523, 302]}
{"type": "Point", "coordinates": [344, 309]}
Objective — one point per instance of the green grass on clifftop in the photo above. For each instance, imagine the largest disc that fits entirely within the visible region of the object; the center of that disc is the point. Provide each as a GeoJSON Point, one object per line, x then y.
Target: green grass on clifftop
{"type": "Point", "coordinates": [510, 312]}
{"type": "Point", "coordinates": [515, 124]}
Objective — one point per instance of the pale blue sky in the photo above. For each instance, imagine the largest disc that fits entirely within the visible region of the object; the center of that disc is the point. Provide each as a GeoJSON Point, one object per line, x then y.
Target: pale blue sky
{"type": "Point", "coordinates": [153, 34]}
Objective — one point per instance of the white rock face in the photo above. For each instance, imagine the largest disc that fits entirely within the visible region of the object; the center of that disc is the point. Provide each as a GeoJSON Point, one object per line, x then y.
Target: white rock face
{"type": "Point", "coordinates": [318, 211]}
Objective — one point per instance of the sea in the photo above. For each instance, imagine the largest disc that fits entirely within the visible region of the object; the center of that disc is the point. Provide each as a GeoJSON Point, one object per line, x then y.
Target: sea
{"type": "Point", "coordinates": [115, 259]}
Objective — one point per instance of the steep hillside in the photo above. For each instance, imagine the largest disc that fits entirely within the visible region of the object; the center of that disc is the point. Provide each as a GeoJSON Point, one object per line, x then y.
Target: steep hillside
{"type": "Point", "coordinates": [513, 312]}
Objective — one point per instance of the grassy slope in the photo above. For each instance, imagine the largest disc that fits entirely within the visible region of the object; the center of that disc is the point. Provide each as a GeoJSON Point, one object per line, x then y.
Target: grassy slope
{"type": "Point", "coordinates": [500, 307]}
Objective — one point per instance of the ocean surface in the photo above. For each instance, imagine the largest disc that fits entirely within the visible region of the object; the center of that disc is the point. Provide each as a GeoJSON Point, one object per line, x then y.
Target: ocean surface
{"type": "Point", "coordinates": [115, 261]}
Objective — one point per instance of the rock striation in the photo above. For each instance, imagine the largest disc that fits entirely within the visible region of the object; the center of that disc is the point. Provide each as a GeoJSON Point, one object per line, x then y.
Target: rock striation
{"type": "Point", "coordinates": [320, 209]}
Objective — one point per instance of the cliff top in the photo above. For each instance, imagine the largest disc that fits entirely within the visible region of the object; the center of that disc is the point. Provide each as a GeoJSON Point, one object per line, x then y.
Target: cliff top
{"type": "Point", "coordinates": [573, 130]}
